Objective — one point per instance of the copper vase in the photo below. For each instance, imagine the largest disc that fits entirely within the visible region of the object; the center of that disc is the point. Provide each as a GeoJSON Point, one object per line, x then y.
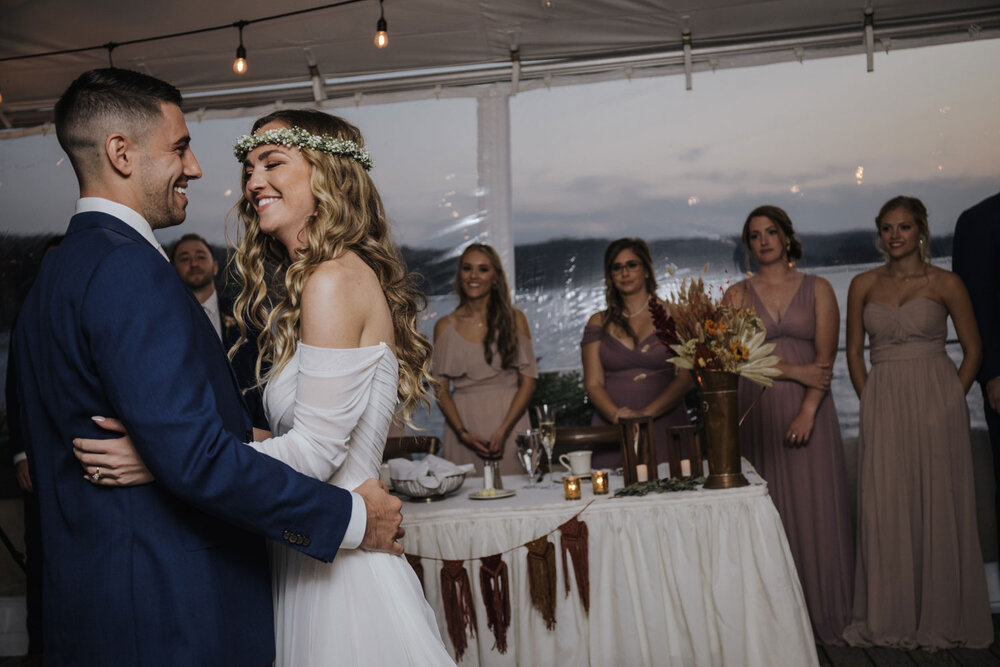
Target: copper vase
{"type": "Point", "coordinates": [720, 408]}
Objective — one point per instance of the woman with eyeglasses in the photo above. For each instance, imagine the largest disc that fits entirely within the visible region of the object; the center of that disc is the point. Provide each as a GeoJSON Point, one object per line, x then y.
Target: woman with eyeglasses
{"type": "Point", "coordinates": [625, 369]}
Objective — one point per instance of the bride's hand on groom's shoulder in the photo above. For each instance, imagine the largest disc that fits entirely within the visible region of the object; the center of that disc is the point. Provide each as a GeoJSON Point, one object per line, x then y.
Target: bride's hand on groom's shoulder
{"type": "Point", "coordinates": [111, 462]}
{"type": "Point", "coordinates": [384, 518]}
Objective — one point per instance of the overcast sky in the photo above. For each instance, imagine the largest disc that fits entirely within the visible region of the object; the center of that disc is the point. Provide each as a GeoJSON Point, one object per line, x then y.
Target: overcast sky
{"type": "Point", "coordinates": [643, 157]}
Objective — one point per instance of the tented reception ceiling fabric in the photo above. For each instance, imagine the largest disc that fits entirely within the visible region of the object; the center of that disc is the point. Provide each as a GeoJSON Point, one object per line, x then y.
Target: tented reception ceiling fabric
{"type": "Point", "coordinates": [438, 47]}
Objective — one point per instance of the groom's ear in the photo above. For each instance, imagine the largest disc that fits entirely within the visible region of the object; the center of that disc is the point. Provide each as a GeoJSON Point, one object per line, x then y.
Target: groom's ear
{"type": "Point", "coordinates": [120, 152]}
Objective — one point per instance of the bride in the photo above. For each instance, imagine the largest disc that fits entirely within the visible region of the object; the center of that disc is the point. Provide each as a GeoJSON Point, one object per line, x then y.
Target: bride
{"type": "Point", "coordinates": [339, 323]}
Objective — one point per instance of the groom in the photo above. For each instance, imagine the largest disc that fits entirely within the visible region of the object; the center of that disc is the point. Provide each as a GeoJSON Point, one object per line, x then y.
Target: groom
{"type": "Point", "coordinates": [174, 572]}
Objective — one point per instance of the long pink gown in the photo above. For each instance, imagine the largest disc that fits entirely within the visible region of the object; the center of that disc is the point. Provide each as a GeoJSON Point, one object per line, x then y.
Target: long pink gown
{"type": "Point", "coordinates": [920, 579]}
{"type": "Point", "coordinates": [808, 484]}
{"type": "Point", "coordinates": [482, 393]}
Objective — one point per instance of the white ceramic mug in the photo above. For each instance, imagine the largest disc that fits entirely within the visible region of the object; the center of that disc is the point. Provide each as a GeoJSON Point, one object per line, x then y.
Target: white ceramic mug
{"type": "Point", "coordinates": [576, 463]}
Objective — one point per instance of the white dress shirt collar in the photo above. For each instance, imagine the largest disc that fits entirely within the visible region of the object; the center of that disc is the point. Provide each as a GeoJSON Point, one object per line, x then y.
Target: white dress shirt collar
{"type": "Point", "coordinates": [211, 308]}
{"type": "Point", "coordinates": [123, 213]}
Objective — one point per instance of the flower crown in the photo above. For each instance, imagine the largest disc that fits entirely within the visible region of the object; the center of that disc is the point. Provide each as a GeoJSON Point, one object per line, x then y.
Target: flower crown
{"type": "Point", "coordinates": [299, 138]}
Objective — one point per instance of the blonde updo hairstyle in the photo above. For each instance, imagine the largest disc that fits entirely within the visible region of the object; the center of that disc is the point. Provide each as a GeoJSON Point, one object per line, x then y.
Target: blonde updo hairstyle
{"type": "Point", "coordinates": [914, 207]}
{"type": "Point", "coordinates": [349, 216]}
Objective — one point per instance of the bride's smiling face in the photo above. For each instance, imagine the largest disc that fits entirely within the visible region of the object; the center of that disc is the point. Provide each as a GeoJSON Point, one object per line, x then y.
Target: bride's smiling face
{"type": "Point", "coordinates": [277, 185]}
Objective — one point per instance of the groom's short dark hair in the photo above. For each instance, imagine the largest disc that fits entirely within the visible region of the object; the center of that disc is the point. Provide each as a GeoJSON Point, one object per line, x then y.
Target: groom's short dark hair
{"type": "Point", "coordinates": [102, 101]}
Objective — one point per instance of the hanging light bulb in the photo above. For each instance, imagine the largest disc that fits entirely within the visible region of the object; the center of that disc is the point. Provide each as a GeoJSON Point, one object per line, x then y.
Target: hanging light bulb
{"type": "Point", "coordinates": [240, 64]}
{"type": "Point", "coordinates": [381, 29]}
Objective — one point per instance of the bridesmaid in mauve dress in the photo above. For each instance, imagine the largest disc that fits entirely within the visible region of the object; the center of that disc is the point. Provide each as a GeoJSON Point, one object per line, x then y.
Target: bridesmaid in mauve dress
{"type": "Point", "coordinates": [792, 434]}
{"type": "Point", "coordinates": [484, 387]}
{"type": "Point", "coordinates": [625, 368]}
{"type": "Point", "coordinates": [920, 579]}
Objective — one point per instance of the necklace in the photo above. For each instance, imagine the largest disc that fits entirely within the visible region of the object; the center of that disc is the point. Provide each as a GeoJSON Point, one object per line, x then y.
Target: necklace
{"type": "Point", "coordinates": [905, 277]}
{"type": "Point", "coordinates": [630, 316]}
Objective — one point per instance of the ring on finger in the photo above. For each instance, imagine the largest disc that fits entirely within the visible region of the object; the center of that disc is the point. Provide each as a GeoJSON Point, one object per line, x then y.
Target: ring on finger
{"type": "Point", "coordinates": [97, 474]}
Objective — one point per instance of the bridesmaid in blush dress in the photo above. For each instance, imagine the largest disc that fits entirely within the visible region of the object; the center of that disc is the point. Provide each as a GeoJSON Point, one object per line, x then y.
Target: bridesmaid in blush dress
{"type": "Point", "coordinates": [625, 368]}
{"type": "Point", "coordinates": [485, 365]}
{"type": "Point", "coordinates": [792, 434]}
{"type": "Point", "coordinates": [920, 580]}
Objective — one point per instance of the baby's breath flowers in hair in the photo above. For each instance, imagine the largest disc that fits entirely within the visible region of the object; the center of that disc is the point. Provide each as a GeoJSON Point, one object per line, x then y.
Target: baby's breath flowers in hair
{"type": "Point", "coordinates": [299, 138]}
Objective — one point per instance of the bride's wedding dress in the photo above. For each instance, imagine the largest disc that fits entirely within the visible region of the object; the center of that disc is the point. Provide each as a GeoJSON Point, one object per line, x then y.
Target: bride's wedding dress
{"type": "Point", "coordinates": [364, 608]}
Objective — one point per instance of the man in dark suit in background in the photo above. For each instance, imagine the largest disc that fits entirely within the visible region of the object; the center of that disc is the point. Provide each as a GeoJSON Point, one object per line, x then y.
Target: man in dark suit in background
{"type": "Point", "coordinates": [976, 259]}
{"type": "Point", "coordinates": [195, 263]}
{"type": "Point", "coordinates": [172, 572]}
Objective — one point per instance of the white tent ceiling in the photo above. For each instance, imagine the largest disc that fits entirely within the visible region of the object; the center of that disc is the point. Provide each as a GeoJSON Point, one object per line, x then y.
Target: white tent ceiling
{"type": "Point", "coordinates": [453, 44]}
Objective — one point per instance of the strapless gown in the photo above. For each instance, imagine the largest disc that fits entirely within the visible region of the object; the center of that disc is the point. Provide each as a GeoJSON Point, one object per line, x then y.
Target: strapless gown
{"type": "Point", "coordinates": [808, 484]}
{"type": "Point", "coordinates": [364, 608]}
{"type": "Point", "coordinates": [919, 580]}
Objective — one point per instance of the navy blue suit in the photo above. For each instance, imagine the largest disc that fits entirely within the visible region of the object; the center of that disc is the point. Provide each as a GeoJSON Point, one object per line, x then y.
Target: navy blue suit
{"type": "Point", "coordinates": [976, 260]}
{"type": "Point", "coordinates": [174, 572]}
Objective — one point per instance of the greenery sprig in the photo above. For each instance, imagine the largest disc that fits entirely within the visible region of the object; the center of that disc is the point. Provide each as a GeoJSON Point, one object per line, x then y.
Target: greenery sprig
{"type": "Point", "coordinates": [660, 486]}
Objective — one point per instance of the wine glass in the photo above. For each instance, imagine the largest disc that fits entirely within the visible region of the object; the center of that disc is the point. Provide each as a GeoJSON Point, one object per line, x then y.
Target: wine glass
{"type": "Point", "coordinates": [529, 453]}
{"type": "Point", "coordinates": [547, 430]}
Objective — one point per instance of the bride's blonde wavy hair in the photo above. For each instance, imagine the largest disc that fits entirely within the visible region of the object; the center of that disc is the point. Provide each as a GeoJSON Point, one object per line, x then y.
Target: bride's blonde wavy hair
{"type": "Point", "coordinates": [349, 216]}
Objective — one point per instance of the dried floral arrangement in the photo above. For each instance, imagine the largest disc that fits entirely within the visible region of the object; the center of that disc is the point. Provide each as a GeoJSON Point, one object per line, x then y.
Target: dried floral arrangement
{"type": "Point", "coordinates": [708, 335]}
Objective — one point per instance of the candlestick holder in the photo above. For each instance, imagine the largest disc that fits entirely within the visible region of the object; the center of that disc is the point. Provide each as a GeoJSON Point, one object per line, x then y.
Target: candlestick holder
{"type": "Point", "coordinates": [637, 447]}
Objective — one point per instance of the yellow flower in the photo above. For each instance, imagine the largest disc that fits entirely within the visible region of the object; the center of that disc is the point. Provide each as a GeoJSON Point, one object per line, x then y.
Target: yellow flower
{"type": "Point", "coordinates": [740, 352]}
{"type": "Point", "coordinates": [713, 328]}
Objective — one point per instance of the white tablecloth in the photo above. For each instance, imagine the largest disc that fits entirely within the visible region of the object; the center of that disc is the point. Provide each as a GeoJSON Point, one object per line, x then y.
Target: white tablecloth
{"type": "Point", "coordinates": [685, 578]}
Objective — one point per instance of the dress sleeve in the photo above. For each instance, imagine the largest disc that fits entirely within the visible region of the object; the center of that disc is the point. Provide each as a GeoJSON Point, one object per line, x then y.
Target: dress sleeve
{"type": "Point", "coordinates": [591, 334]}
{"type": "Point", "coordinates": [333, 387]}
{"type": "Point", "coordinates": [446, 363]}
{"type": "Point", "coordinates": [526, 363]}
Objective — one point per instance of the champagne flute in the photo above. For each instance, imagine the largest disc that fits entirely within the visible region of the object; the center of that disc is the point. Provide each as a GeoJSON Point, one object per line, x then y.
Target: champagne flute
{"type": "Point", "coordinates": [529, 453]}
{"type": "Point", "coordinates": [547, 429]}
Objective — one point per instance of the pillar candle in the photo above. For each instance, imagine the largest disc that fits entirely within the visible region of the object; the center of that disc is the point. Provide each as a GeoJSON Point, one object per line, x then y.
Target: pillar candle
{"type": "Point", "coordinates": [685, 467]}
{"type": "Point", "coordinates": [641, 473]}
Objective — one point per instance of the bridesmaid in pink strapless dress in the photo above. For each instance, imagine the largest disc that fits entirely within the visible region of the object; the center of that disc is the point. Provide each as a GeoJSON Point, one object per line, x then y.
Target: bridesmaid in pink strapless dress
{"type": "Point", "coordinates": [920, 580]}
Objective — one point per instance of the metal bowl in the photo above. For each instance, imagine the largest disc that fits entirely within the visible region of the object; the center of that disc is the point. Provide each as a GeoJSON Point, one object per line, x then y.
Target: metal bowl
{"type": "Point", "coordinates": [417, 491]}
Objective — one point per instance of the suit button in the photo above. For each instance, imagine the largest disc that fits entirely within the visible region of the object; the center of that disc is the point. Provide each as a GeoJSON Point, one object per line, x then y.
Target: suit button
{"type": "Point", "coordinates": [285, 536]}
{"type": "Point", "coordinates": [306, 541]}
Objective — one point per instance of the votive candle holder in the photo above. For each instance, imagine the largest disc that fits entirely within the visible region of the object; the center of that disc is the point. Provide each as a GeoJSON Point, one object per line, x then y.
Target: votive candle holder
{"type": "Point", "coordinates": [571, 488]}
{"type": "Point", "coordinates": [601, 481]}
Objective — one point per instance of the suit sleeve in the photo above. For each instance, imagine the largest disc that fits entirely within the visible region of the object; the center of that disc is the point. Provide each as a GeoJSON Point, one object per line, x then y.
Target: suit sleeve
{"type": "Point", "coordinates": [975, 259]}
{"type": "Point", "coordinates": [144, 343]}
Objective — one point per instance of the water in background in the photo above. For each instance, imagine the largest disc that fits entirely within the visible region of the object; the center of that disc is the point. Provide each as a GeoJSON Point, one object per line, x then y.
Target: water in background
{"type": "Point", "coordinates": [557, 317]}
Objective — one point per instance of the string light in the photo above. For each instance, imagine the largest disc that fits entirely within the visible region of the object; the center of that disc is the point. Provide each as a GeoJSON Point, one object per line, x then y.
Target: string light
{"type": "Point", "coordinates": [381, 28]}
{"type": "Point", "coordinates": [240, 64]}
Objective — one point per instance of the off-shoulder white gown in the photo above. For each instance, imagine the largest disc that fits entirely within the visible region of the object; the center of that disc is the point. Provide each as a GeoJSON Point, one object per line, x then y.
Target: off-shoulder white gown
{"type": "Point", "coordinates": [364, 608]}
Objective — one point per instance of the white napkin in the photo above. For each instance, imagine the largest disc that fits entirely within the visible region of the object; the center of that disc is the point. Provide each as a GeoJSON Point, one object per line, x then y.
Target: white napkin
{"type": "Point", "coordinates": [428, 472]}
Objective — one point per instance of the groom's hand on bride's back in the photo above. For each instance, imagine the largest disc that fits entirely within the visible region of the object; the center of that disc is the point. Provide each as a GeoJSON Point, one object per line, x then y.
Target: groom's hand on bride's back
{"type": "Point", "coordinates": [384, 517]}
